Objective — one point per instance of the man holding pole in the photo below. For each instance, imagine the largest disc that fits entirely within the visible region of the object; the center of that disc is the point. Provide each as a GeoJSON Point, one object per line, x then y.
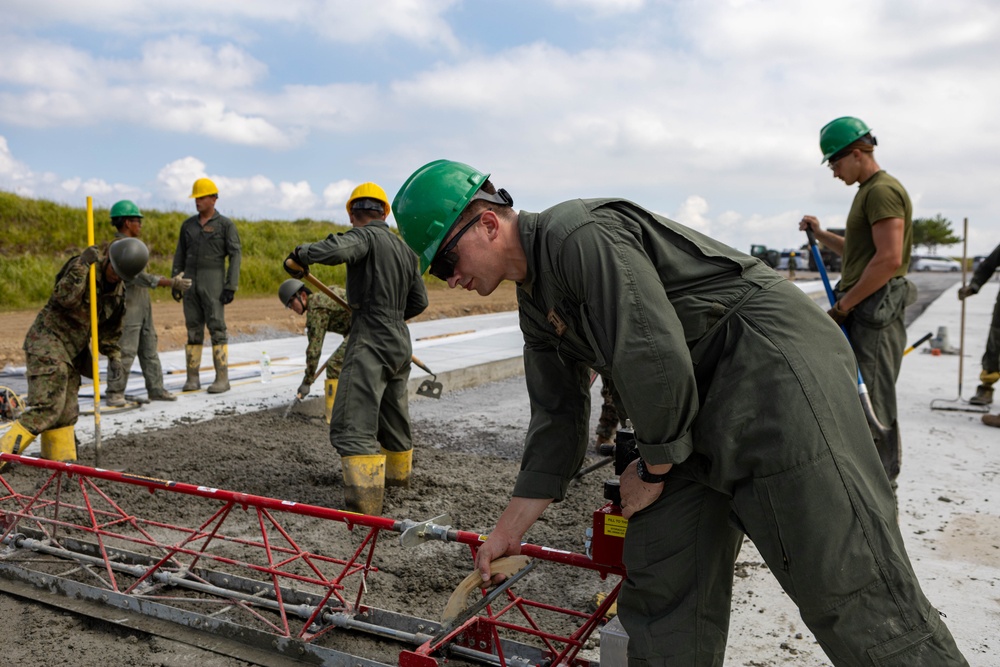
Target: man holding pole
{"type": "Point", "coordinates": [57, 347]}
{"type": "Point", "coordinates": [873, 291]}
{"type": "Point", "coordinates": [384, 289]}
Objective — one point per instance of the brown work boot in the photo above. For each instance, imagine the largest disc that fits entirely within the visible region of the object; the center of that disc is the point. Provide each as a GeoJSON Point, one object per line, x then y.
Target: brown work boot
{"type": "Point", "coordinates": [161, 395]}
{"type": "Point", "coordinates": [115, 399]}
{"type": "Point", "coordinates": [992, 420]}
{"type": "Point", "coordinates": [984, 395]}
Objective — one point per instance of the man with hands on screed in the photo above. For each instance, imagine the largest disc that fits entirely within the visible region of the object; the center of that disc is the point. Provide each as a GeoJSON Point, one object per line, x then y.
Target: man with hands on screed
{"type": "Point", "coordinates": [739, 429]}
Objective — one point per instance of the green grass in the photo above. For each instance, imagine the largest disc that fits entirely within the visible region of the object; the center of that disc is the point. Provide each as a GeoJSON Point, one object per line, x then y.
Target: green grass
{"type": "Point", "coordinates": [38, 236]}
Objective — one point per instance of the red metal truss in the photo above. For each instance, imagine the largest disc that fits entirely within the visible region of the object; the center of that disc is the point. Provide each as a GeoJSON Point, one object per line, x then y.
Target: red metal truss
{"type": "Point", "coordinates": [268, 578]}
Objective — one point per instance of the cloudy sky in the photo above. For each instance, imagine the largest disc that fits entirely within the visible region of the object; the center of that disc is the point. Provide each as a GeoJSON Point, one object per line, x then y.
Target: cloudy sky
{"type": "Point", "coordinates": [705, 111]}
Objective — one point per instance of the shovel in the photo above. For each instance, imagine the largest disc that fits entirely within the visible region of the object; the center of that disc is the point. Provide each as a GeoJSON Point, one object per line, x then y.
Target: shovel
{"type": "Point", "coordinates": [430, 388]}
{"type": "Point", "coordinates": [298, 398]}
{"type": "Point", "coordinates": [959, 404]}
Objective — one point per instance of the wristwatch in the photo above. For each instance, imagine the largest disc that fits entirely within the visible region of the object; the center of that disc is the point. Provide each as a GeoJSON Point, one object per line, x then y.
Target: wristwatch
{"type": "Point", "coordinates": [646, 476]}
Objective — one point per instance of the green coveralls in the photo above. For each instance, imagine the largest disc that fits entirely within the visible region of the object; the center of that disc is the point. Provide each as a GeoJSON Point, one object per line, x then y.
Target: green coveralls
{"type": "Point", "coordinates": [58, 343]}
{"type": "Point", "coordinates": [325, 314]}
{"type": "Point", "coordinates": [384, 289]}
{"type": "Point", "coordinates": [201, 254]}
{"type": "Point", "coordinates": [139, 334]}
{"type": "Point", "coordinates": [732, 374]}
{"type": "Point", "coordinates": [985, 271]}
{"type": "Point", "coordinates": [876, 326]}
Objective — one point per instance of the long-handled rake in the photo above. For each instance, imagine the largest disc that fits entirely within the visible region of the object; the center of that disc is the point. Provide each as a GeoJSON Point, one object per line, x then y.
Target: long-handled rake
{"type": "Point", "coordinates": [960, 404]}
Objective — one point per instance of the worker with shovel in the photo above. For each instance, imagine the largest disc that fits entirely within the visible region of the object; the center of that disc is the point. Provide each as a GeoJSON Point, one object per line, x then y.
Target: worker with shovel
{"type": "Point", "coordinates": [384, 289]}
{"type": "Point", "coordinates": [873, 292]}
{"type": "Point", "coordinates": [323, 314]}
{"type": "Point", "coordinates": [57, 347]}
{"type": "Point", "coordinates": [688, 329]}
{"type": "Point", "coordinates": [991, 357]}
{"type": "Point", "coordinates": [138, 331]}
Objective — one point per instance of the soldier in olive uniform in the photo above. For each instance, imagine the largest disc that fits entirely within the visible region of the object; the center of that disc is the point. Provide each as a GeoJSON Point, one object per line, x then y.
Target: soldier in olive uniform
{"type": "Point", "coordinates": [740, 428]}
{"type": "Point", "coordinates": [206, 240]}
{"type": "Point", "coordinates": [990, 372]}
{"type": "Point", "coordinates": [323, 314]}
{"type": "Point", "coordinates": [384, 290]}
{"type": "Point", "coordinates": [57, 347]}
{"type": "Point", "coordinates": [138, 331]}
{"type": "Point", "coordinates": [873, 291]}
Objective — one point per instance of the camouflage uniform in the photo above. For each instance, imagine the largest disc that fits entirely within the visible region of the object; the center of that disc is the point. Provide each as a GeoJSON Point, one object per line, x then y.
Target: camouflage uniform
{"type": "Point", "coordinates": [324, 314]}
{"type": "Point", "coordinates": [139, 334]}
{"type": "Point", "coordinates": [609, 420]}
{"type": "Point", "coordinates": [57, 345]}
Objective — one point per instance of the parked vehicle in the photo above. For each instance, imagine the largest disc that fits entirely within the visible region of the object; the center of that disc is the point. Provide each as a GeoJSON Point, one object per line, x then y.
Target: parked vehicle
{"type": "Point", "coordinates": [933, 263]}
{"type": "Point", "coordinates": [769, 256]}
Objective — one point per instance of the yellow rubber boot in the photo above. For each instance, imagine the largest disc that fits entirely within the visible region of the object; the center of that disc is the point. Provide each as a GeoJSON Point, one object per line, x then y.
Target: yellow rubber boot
{"type": "Point", "coordinates": [220, 357]}
{"type": "Point", "coordinates": [192, 356]}
{"type": "Point", "coordinates": [364, 483]}
{"type": "Point", "coordinates": [59, 444]}
{"type": "Point", "coordinates": [398, 466]}
{"type": "Point", "coordinates": [330, 391]}
{"type": "Point", "coordinates": [15, 441]}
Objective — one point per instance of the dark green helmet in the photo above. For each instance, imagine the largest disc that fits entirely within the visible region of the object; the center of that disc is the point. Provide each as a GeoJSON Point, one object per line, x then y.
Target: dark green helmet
{"type": "Point", "coordinates": [288, 290]}
{"type": "Point", "coordinates": [840, 133]}
{"type": "Point", "coordinates": [125, 209]}
{"type": "Point", "coordinates": [128, 257]}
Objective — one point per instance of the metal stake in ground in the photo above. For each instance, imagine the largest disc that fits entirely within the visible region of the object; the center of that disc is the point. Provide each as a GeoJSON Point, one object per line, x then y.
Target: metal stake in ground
{"type": "Point", "coordinates": [959, 404]}
{"type": "Point", "coordinates": [430, 388]}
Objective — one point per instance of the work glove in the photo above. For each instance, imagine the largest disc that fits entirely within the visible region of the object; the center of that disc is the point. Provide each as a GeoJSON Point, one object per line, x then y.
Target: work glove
{"type": "Point", "coordinates": [837, 314]}
{"type": "Point", "coordinates": [968, 290]}
{"type": "Point", "coordinates": [179, 283]}
{"type": "Point", "coordinates": [303, 390]}
{"type": "Point", "coordinates": [90, 255]}
{"type": "Point", "coordinates": [227, 296]}
{"type": "Point", "coordinates": [116, 370]}
{"type": "Point", "coordinates": [295, 257]}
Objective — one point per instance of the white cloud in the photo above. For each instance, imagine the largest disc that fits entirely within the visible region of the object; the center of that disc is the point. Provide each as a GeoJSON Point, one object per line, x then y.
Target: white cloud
{"type": "Point", "coordinates": [335, 194]}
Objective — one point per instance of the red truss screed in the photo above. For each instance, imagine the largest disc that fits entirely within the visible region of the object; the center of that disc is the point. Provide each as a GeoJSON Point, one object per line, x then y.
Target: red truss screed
{"type": "Point", "coordinates": [259, 584]}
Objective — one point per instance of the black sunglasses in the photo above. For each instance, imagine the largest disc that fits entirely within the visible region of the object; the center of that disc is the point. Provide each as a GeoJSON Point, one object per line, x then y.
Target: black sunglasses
{"type": "Point", "coordinates": [443, 264]}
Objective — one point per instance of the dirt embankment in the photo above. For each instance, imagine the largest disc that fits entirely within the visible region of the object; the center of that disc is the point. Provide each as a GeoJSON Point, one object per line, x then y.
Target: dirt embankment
{"type": "Point", "coordinates": [258, 317]}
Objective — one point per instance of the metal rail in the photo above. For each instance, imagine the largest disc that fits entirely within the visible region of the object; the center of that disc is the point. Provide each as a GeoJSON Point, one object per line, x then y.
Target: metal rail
{"type": "Point", "coordinates": [267, 589]}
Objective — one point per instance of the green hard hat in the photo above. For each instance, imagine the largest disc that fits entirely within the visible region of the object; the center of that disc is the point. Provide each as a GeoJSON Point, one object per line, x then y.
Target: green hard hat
{"type": "Point", "coordinates": [840, 133]}
{"type": "Point", "coordinates": [288, 290]}
{"type": "Point", "coordinates": [430, 202]}
{"type": "Point", "coordinates": [128, 257]}
{"type": "Point", "coordinates": [125, 209]}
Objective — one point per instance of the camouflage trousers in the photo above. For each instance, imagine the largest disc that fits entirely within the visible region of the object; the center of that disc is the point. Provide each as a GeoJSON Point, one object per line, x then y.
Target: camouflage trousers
{"type": "Point", "coordinates": [609, 420]}
{"type": "Point", "coordinates": [53, 387]}
{"type": "Point", "coordinates": [336, 362]}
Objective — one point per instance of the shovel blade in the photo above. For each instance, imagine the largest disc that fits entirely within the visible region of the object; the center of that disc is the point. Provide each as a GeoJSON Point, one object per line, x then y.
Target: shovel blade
{"type": "Point", "coordinates": [430, 389]}
{"type": "Point", "coordinates": [958, 405]}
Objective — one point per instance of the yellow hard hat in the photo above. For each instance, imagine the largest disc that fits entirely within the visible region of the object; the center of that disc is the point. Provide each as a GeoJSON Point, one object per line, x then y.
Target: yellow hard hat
{"type": "Point", "coordinates": [202, 188]}
{"type": "Point", "coordinates": [369, 191]}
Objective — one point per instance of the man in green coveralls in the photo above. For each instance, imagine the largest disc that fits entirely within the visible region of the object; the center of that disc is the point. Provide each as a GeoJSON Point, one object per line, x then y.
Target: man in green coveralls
{"type": "Point", "coordinates": [384, 289]}
{"type": "Point", "coordinates": [690, 331]}
{"type": "Point", "coordinates": [323, 314]}
{"type": "Point", "coordinates": [991, 357]}
{"type": "Point", "coordinates": [57, 347]}
{"type": "Point", "coordinates": [873, 291]}
{"type": "Point", "coordinates": [206, 240]}
{"type": "Point", "coordinates": [138, 331]}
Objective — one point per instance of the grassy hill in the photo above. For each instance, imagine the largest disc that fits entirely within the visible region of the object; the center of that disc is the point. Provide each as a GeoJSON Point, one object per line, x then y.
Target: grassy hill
{"type": "Point", "coordinates": [39, 236]}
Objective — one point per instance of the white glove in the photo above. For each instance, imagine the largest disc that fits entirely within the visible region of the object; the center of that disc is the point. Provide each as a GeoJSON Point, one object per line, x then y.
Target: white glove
{"type": "Point", "coordinates": [180, 283]}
